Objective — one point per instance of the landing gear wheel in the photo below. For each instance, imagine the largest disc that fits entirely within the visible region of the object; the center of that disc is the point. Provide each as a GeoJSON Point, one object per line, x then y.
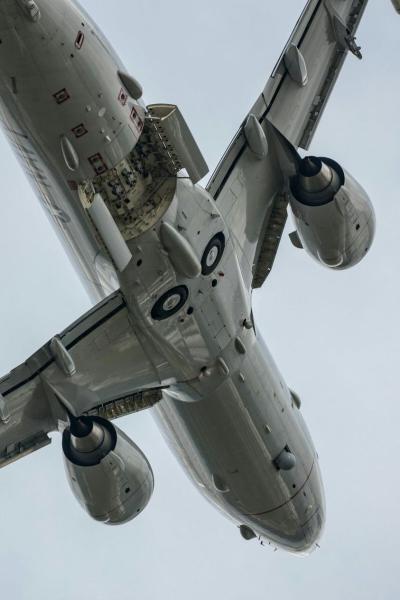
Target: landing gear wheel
{"type": "Point", "coordinates": [213, 254]}
{"type": "Point", "coordinates": [170, 303]}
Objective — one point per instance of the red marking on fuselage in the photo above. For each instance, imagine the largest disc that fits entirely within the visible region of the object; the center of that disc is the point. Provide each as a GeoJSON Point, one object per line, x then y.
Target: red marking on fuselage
{"type": "Point", "coordinates": [61, 96]}
{"type": "Point", "coordinates": [123, 97]}
{"type": "Point", "coordinates": [136, 119]}
{"type": "Point", "coordinates": [79, 131]}
{"type": "Point", "coordinates": [98, 164]}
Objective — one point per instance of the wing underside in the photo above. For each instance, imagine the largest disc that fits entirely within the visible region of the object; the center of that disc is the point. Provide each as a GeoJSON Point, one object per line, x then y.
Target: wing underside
{"type": "Point", "coordinates": [248, 193]}
{"type": "Point", "coordinates": [97, 366]}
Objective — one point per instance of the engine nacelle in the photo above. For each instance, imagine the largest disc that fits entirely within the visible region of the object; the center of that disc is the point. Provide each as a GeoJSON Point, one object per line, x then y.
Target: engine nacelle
{"type": "Point", "coordinates": [108, 474]}
{"type": "Point", "coordinates": [334, 217]}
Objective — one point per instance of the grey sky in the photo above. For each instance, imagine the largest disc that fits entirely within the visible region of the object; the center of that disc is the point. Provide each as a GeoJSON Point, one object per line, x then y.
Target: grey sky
{"type": "Point", "coordinates": [334, 336]}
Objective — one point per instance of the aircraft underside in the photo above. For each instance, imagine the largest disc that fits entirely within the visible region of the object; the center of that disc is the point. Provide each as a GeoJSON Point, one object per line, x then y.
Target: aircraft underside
{"type": "Point", "coordinates": [170, 267]}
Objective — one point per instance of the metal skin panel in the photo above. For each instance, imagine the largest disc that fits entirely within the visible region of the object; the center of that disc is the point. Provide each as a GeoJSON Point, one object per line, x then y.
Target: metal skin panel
{"type": "Point", "coordinates": [200, 340]}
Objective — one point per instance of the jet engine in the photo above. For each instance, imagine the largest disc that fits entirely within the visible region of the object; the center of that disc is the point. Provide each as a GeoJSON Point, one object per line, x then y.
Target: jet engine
{"type": "Point", "coordinates": [334, 217]}
{"type": "Point", "coordinates": [108, 474]}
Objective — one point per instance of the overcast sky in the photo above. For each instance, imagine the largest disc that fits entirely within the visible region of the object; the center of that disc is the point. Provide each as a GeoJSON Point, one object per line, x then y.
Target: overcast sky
{"type": "Point", "coordinates": [335, 337]}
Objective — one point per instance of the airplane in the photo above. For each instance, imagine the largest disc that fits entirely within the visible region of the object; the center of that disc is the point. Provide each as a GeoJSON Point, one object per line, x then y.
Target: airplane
{"type": "Point", "coordinates": [170, 267]}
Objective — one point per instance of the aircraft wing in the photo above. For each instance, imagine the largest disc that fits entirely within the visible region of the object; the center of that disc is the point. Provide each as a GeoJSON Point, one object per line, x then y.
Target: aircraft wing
{"type": "Point", "coordinates": [248, 182]}
{"type": "Point", "coordinates": [97, 366]}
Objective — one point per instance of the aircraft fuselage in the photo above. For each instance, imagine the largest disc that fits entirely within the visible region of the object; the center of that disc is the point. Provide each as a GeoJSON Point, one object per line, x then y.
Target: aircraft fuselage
{"type": "Point", "coordinates": [231, 421]}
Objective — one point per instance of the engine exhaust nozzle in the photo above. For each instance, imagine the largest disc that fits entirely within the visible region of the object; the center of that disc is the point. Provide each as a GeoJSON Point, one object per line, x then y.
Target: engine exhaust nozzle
{"type": "Point", "coordinates": [316, 183]}
{"type": "Point", "coordinates": [88, 440]}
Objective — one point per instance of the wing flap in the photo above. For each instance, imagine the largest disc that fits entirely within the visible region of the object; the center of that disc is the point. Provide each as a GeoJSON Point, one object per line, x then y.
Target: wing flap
{"type": "Point", "coordinates": [295, 110]}
{"type": "Point", "coordinates": [17, 450]}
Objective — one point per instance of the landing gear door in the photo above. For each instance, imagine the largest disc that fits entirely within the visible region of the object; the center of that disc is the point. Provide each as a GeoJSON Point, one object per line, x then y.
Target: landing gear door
{"type": "Point", "coordinates": [178, 140]}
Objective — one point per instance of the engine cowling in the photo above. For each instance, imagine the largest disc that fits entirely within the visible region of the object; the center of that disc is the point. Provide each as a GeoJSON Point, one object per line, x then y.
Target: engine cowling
{"type": "Point", "coordinates": [334, 216]}
{"type": "Point", "coordinates": [108, 474]}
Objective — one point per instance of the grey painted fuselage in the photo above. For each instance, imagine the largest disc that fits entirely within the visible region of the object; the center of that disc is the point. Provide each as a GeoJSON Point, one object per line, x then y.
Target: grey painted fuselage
{"type": "Point", "coordinates": [233, 416]}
